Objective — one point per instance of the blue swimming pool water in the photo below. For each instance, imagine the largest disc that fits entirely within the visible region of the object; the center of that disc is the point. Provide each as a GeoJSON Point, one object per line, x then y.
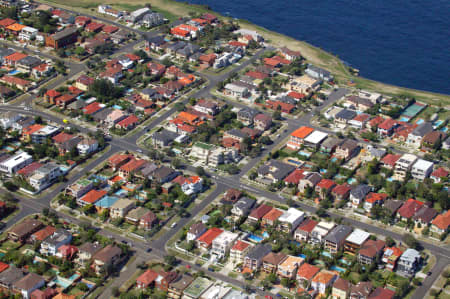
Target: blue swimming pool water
{"type": "Point", "coordinates": [294, 162]}
{"type": "Point", "coordinates": [390, 179]}
{"type": "Point", "coordinates": [404, 119]}
{"type": "Point", "coordinates": [117, 107]}
{"type": "Point", "coordinates": [327, 254]}
{"type": "Point", "coordinates": [121, 192]}
{"type": "Point", "coordinates": [444, 129]}
{"type": "Point", "coordinates": [336, 268]}
{"type": "Point", "coordinates": [351, 180]}
{"type": "Point", "coordinates": [419, 121]}
{"type": "Point", "coordinates": [344, 261]}
{"type": "Point", "coordinates": [305, 154]}
{"type": "Point", "coordinates": [438, 123]}
{"type": "Point", "coordinates": [254, 238]}
{"type": "Point", "coordinates": [334, 159]}
{"type": "Point", "coordinates": [302, 256]}
{"type": "Point", "coordinates": [323, 171]}
{"type": "Point", "coordinates": [64, 169]}
{"type": "Point", "coordinates": [13, 72]}
{"type": "Point", "coordinates": [265, 235]}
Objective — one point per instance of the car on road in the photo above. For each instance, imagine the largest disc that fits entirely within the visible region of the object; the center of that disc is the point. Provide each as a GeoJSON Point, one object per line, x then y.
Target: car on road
{"type": "Point", "coordinates": [268, 297]}
{"type": "Point", "coordinates": [139, 151]}
{"type": "Point", "coordinates": [429, 273]}
{"type": "Point", "coordinates": [173, 225]}
{"type": "Point", "coordinates": [148, 250]}
{"type": "Point", "coordinates": [188, 266]}
{"type": "Point", "coordinates": [27, 108]}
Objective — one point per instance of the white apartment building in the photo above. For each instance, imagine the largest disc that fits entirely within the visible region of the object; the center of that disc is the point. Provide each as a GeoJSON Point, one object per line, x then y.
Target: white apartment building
{"type": "Point", "coordinates": [421, 169]}
{"type": "Point", "coordinates": [15, 163]}
{"type": "Point", "coordinates": [222, 244]}
{"type": "Point", "coordinates": [403, 165]}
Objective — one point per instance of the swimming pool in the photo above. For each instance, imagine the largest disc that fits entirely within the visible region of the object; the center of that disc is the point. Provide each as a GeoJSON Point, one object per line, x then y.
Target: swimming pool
{"type": "Point", "coordinates": [121, 193]}
{"type": "Point", "coordinates": [437, 123]}
{"type": "Point", "coordinates": [13, 72]}
{"type": "Point", "coordinates": [345, 262]}
{"type": "Point", "coordinates": [327, 254]}
{"type": "Point", "coordinates": [117, 107]}
{"type": "Point", "coordinates": [351, 181]}
{"type": "Point", "coordinates": [296, 162]}
{"type": "Point", "coordinates": [419, 121]}
{"type": "Point", "coordinates": [404, 119]}
{"type": "Point", "coordinates": [323, 171]}
{"type": "Point", "coordinates": [304, 154]}
{"type": "Point", "coordinates": [265, 235]}
{"type": "Point", "coordinates": [254, 238]}
{"type": "Point", "coordinates": [66, 282]}
{"type": "Point", "coordinates": [390, 179]}
{"type": "Point", "coordinates": [302, 256]}
{"type": "Point", "coordinates": [8, 148]}
{"type": "Point", "coordinates": [336, 268]}
{"type": "Point", "coordinates": [64, 169]}
{"type": "Point", "coordinates": [334, 159]}
{"type": "Point", "coordinates": [444, 129]}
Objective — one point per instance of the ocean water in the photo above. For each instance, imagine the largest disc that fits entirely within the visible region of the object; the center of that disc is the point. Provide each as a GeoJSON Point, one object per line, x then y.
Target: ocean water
{"type": "Point", "coordinates": [405, 43]}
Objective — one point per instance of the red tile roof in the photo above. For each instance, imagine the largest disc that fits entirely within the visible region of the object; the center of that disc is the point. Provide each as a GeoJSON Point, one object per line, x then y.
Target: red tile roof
{"type": "Point", "coordinates": [442, 221]}
{"type": "Point", "coordinates": [341, 189]}
{"type": "Point", "coordinates": [31, 129]}
{"type": "Point", "coordinates": [180, 32]}
{"type": "Point", "coordinates": [390, 159]}
{"type": "Point", "coordinates": [94, 26]}
{"type": "Point", "coordinates": [93, 196]}
{"type": "Point", "coordinates": [370, 248]}
{"type": "Point", "coordinates": [302, 132]}
{"type": "Point", "coordinates": [52, 93]}
{"type": "Point", "coordinates": [307, 271]}
{"type": "Point", "coordinates": [110, 29]}
{"type": "Point", "coordinates": [92, 108]}
{"type": "Point", "coordinates": [147, 278]}
{"type": "Point", "coordinates": [326, 184]}
{"type": "Point", "coordinates": [3, 266]}
{"type": "Point", "coordinates": [381, 293]}
{"type": "Point", "coordinates": [15, 56]}
{"type": "Point", "coordinates": [296, 95]}
{"type": "Point", "coordinates": [62, 137]}
{"type": "Point", "coordinates": [209, 236]}
{"type": "Point", "coordinates": [132, 165]}
{"type": "Point", "coordinates": [260, 211]}
{"type": "Point", "coordinates": [376, 121]}
{"type": "Point", "coordinates": [30, 168]}
{"type": "Point", "coordinates": [408, 209]}
{"type": "Point", "coordinates": [256, 75]}
{"type": "Point", "coordinates": [273, 215]}
{"type": "Point", "coordinates": [308, 225]}
{"type": "Point", "coordinates": [118, 159]}
{"type": "Point", "coordinates": [15, 81]}
{"type": "Point", "coordinates": [440, 173]}
{"type": "Point", "coordinates": [44, 233]}
{"type": "Point", "coordinates": [240, 246]}
{"type": "Point", "coordinates": [387, 124]}
{"type": "Point", "coordinates": [129, 121]}
{"type": "Point", "coordinates": [295, 176]}
{"type": "Point", "coordinates": [373, 197]}
{"type": "Point", "coordinates": [6, 22]}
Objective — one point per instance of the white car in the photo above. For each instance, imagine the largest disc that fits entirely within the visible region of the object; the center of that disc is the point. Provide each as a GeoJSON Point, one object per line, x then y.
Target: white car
{"type": "Point", "coordinates": [173, 225]}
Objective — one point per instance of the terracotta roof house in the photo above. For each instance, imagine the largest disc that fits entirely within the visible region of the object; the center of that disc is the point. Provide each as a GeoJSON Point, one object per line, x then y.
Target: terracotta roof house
{"type": "Point", "coordinates": [259, 212]}
{"type": "Point", "coordinates": [306, 272]}
{"type": "Point", "coordinates": [271, 217]}
{"type": "Point", "coordinates": [42, 234]}
{"type": "Point", "coordinates": [370, 250]}
{"type": "Point", "coordinates": [146, 279]}
{"type": "Point", "coordinates": [324, 187]}
{"type": "Point", "coordinates": [438, 174]}
{"type": "Point", "coordinates": [323, 280]}
{"type": "Point", "coordinates": [271, 261]}
{"type": "Point", "coordinates": [341, 192]}
{"type": "Point", "coordinates": [441, 223]}
{"type": "Point", "coordinates": [409, 209]}
{"type": "Point", "coordinates": [373, 199]}
{"type": "Point", "coordinates": [91, 197]}
{"type": "Point", "coordinates": [389, 160]}
{"type": "Point", "coordinates": [341, 289]}
{"type": "Point", "coordinates": [431, 139]}
{"type": "Point", "coordinates": [390, 257]}
{"type": "Point", "coordinates": [118, 160]}
{"type": "Point", "coordinates": [304, 229]}
{"type": "Point", "coordinates": [206, 239]}
{"type": "Point", "coordinates": [295, 177]}
{"type": "Point", "coordinates": [381, 293]}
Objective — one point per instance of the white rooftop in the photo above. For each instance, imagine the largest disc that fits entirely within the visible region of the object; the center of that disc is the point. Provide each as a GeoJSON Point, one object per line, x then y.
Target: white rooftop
{"type": "Point", "coordinates": [226, 238]}
{"type": "Point", "coordinates": [16, 160]}
{"type": "Point", "coordinates": [358, 237]}
{"type": "Point", "coordinates": [407, 158]}
{"type": "Point", "coordinates": [316, 137]}
{"type": "Point", "coordinates": [47, 130]}
{"type": "Point", "coordinates": [291, 215]}
{"type": "Point", "coordinates": [326, 225]}
{"type": "Point", "coordinates": [410, 254]}
{"type": "Point", "coordinates": [423, 164]}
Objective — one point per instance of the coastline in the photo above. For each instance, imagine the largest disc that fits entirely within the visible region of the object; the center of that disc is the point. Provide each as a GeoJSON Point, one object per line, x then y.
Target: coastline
{"type": "Point", "coordinates": [314, 55]}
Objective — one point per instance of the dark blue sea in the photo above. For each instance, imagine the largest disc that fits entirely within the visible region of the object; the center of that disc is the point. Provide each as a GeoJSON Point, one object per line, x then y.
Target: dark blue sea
{"type": "Point", "coordinates": [401, 42]}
